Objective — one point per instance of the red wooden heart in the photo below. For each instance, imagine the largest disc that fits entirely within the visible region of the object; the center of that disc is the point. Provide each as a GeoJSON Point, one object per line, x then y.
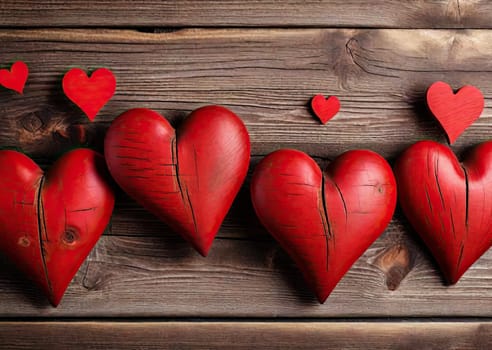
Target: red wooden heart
{"type": "Point", "coordinates": [449, 204]}
{"type": "Point", "coordinates": [455, 112]}
{"type": "Point", "coordinates": [325, 109]}
{"type": "Point", "coordinates": [325, 221]}
{"type": "Point", "coordinates": [50, 223]}
{"type": "Point", "coordinates": [188, 177]}
{"type": "Point", "coordinates": [90, 94]}
{"type": "Point", "coordinates": [15, 78]}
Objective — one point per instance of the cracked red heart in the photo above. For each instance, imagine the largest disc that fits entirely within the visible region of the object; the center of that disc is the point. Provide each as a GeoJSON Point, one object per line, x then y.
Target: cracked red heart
{"type": "Point", "coordinates": [448, 203]}
{"type": "Point", "coordinates": [50, 222]}
{"type": "Point", "coordinates": [187, 177]}
{"type": "Point", "coordinates": [324, 220]}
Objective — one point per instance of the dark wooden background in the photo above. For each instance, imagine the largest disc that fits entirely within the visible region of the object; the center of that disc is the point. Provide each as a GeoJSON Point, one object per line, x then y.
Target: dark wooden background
{"type": "Point", "coordinates": [143, 286]}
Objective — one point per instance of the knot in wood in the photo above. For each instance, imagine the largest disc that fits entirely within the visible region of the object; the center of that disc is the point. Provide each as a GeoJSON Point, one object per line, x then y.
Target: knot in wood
{"type": "Point", "coordinates": [396, 261]}
{"type": "Point", "coordinates": [70, 236]}
{"type": "Point", "coordinates": [32, 122]}
{"type": "Point", "coordinates": [24, 241]}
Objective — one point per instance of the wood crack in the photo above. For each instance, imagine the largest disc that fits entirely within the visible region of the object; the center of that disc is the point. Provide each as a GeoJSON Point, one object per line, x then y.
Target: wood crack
{"type": "Point", "coordinates": [185, 197]}
{"type": "Point", "coordinates": [429, 202]}
{"type": "Point", "coordinates": [353, 56]}
{"type": "Point", "coordinates": [458, 6]}
{"type": "Point", "coordinates": [343, 201]}
{"type": "Point", "coordinates": [326, 221]}
{"type": "Point", "coordinates": [436, 176]}
{"type": "Point", "coordinates": [460, 257]}
{"type": "Point", "coordinates": [43, 231]}
{"type": "Point", "coordinates": [467, 195]}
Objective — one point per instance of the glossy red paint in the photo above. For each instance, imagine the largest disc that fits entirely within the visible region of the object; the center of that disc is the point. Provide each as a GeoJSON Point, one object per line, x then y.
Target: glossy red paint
{"type": "Point", "coordinates": [449, 204]}
{"type": "Point", "coordinates": [50, 223]}
{"type": "Point", "coordinates": [325, 109]}
{"type": "Point", "coordinates": [15, 78]}
{"type": "Point", "coordinates": [89, 94]}
{"type": "Point", "coordinates": [325, 221]}
{"type": "Point", "coordinates": [187, 177]}
{"type": "Point", "coordinates": [455, 112]}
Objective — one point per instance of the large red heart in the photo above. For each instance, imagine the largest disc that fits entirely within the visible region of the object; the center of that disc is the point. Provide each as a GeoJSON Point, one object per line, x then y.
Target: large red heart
{"type": "Point", "coordinates": [325, 221]}
{"type": "Point", "coordinates": [455, 112]}
{"type": "Point", "coordinates": [49, 223]}
{"type": "Point", "coordinates": [187, 177]}
{"type": "Point", "coordinates": [16, 78]}
{"type": "Point", "coordinates": [449, 204]}
{"type": "Point", "coordinates": [90, 94]}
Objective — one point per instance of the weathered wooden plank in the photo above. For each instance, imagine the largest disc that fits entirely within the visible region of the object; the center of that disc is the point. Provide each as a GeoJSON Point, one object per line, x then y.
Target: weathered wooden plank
{"type": "Point", "coordinates": [266, 76]}
{"type": "Point", "coordinates": [164, 277]}
{"type": "Point", "coordinates": [247, 335]}
{"type": "Point", "coordinates": [324, 13]}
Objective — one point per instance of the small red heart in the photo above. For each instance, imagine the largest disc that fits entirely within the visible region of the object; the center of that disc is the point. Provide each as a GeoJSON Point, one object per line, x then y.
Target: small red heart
{"type": "Point", "coordinates": [325, 221]}
{"type": "Point", "coordinates": [325, 109]}
{"type": "Point", "coordinates": [89, 94]}
{"type": "Point", "coordinates": [16, 78]}
{"type": "Point", "coordinates": [50, 223]}
{"type": "Point", "coordinates": [455, 112]}
{"type": "Point", "coordinates": [187, 177]}
{"type": "Point", "coordinates": [449, 204]}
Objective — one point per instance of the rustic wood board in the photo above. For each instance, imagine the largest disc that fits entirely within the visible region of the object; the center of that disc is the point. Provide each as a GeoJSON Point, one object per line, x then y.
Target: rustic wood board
{"type": "Point", "coordinates": [247, 335]}
{"type": "Point", "coordinates": [146, 278]}
{"type": "Point", "coordinates": [266, 76]}
{"type": "Point", "coordinates": [154, 277]}
{"type": "Point", "coordinates": [234, 13]}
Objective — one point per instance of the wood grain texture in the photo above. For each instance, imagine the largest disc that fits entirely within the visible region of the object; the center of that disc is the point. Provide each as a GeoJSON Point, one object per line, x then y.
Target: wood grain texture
{"type": "Point", "coordinates": [164, 277]}
{"type": "Point", "coordinates": [265, 76]}
{"type": "Point", "coordinates": [247, 335]}
{"type": "Point", "coordinates": [234, 13]}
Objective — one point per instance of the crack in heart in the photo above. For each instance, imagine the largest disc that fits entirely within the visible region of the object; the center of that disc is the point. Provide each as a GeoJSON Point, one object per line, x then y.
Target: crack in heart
{"type": "Point", "coordinates": [448, 203]}
{"type": "Point", "coordinates": [324, 220]}
{"type": "Point", "coordinates": [45, 231]}
{"type": "Point", "coordinates": [187, 177]}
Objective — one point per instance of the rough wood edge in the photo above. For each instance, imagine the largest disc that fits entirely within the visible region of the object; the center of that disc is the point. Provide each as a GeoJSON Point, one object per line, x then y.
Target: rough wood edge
{"type": "Point", "coordinates": [308, 13]}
